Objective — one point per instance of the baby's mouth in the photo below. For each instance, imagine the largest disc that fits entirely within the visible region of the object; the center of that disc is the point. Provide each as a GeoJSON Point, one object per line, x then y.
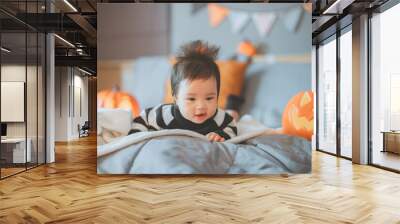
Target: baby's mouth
{"type": "Point", "coordinates": [200, 115]}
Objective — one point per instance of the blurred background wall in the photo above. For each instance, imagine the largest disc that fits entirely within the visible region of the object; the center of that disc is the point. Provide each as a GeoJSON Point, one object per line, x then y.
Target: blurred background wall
{"type": "Point", "coordinates": [128, 33]}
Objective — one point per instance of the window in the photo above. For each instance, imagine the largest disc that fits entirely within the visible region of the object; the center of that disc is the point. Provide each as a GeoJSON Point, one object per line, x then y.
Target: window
{"type": "Point", "coordinates": [385, 89]}
{"type": "Point", "coordinates": [346, 94]}
{"type": "Point", "coordinates": [327, 96]}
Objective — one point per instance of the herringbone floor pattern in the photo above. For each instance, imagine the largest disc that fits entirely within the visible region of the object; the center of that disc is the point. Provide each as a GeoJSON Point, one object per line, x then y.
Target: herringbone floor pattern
{"type": "Point", "coordinates": [70, 191]}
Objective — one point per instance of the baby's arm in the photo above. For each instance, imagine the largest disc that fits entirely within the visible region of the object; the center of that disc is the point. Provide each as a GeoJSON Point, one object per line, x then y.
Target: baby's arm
{"type": "Point", "coordinates": [226, 131]}
{"type": "Point", "coordinates": [140, 123]}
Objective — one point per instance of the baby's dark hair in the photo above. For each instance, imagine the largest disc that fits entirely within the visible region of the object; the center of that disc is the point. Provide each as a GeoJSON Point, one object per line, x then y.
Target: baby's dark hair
{"type": "Point", "coordinates": [196, 60]}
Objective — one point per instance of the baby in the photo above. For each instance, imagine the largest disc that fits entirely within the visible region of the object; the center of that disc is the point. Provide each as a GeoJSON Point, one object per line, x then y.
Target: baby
{"type": "Point", "coordinates": [195, 83]}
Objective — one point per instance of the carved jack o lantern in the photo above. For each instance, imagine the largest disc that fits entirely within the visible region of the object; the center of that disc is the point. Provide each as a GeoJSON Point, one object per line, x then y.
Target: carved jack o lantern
{"type": "Point", "coordinates": [116, 99]}
{"type": "Point", "coordinates": [298, 117]}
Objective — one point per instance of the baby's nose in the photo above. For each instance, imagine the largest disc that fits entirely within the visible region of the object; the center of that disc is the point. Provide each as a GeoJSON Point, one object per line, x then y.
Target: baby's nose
{"type": "Point", "coordinates": [201, 105]}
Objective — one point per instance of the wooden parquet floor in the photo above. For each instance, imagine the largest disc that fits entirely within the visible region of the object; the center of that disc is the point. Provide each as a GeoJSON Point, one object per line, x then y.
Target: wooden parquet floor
{"type": "Point", "coordinates": [70, 191]}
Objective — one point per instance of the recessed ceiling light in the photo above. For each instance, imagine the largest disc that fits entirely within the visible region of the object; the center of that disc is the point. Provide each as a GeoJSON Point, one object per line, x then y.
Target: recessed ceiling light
{"type": "Point", "coordinates": [337, 7]}
{"type": "Point", "coordinates": [5, 49]}
{"type": "Point", "coordinates": [64, 40]}
{"type": "Point", "coordinates": [84, 71]}
{"type": "Point", "coordinates": [70, 5]}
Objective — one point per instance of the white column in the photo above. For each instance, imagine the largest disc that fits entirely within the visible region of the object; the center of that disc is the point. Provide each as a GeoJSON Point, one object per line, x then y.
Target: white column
{"type": "Point", "coordinates": [50, 92]}
{"type": "Point", "coordinates": [50, 100]}
{"type": "Point", "coordinates": [360, 90]}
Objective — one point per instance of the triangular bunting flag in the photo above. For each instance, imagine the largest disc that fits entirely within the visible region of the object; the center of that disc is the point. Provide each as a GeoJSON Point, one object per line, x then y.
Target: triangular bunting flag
{"type": "Point", "coordinates": [264, 22]}
{"type": "Point", "coordinates": [216, 14]}
{"type": "Point", "coordinates": [292, 19]}
{"type": "Point", "coordinates": [307, 7]}
{"type": "Point", "coordinates": [197, 7]}
{"type": "Point", "coordinates": [238, 20]}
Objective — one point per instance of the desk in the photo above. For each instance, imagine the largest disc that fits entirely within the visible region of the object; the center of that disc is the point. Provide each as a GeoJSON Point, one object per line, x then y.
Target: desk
{"type": "Point", "coordinates": [391, 141]}
{"type": "Point", "coordinates": [13, 150]}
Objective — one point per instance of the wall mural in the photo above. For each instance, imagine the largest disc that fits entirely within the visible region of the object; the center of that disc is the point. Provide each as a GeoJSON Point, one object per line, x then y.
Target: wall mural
{"type": "Point", "coordinates": [215, 103]}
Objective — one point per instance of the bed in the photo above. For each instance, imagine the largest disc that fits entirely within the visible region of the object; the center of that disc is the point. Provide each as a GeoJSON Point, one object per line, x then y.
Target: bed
{"type": "Point", "coordinates": [256, 150]}
{"type": "Point", "coordinates": [260, 148]}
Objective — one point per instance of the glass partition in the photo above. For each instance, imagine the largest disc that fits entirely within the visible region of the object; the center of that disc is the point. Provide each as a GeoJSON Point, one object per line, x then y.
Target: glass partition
{"type": "Point", "coordinates": [13, 114]}
{"type": "Point", "coordinates": [22, 88]}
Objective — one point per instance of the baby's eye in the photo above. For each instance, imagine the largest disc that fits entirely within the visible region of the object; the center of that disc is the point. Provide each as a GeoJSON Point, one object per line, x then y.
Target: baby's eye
{"type": "Point", "coordinates": [190, 99]}
{"type": "Point", "coordinates": [210, 98]}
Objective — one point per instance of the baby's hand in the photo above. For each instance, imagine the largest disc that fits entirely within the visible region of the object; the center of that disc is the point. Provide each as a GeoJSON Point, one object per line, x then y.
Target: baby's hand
{"type": "Point", "coordinates": [212, 136]}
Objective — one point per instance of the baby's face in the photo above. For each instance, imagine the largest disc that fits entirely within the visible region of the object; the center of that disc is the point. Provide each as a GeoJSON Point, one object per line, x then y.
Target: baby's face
{"type": "Point", "coordinates": [197, 99]}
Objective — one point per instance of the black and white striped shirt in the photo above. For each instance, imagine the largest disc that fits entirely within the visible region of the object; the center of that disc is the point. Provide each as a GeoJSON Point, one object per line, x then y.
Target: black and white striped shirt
{"type": "Point", "coordinates": [168, 116]}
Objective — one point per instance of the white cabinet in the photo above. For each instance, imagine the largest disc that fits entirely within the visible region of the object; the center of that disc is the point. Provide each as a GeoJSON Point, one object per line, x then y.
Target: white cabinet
{"type": "Point", "coordinates": [16, 147]}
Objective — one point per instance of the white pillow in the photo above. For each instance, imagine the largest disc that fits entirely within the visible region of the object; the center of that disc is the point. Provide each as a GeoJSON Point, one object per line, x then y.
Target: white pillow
{"type": "Point", "coordinates": [118, 120]}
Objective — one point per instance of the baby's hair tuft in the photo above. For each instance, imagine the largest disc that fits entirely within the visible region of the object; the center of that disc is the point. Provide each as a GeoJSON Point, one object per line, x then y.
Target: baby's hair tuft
{"type": "Point", "coordinates": [198, 49]}
{"type": "Point", "coordinates": [195, 60]}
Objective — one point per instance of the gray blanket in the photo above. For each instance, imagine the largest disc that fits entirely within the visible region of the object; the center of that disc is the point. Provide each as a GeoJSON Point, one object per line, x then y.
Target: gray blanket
{"type": "Point", "coordinates": [270, 154]}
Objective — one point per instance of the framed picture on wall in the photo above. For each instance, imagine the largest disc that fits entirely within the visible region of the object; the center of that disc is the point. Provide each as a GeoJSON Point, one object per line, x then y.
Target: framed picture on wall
{"type": "Point", "coordinates": [12, 101]}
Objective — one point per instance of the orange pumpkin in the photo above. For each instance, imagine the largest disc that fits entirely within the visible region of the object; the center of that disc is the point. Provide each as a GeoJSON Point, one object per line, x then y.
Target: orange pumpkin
{"type": "Point", "coordinates": [117, 99]}
{"type": "Point", "coordinates": [246, 48]}
{"type": "Point", "coordinates": [298, 117]}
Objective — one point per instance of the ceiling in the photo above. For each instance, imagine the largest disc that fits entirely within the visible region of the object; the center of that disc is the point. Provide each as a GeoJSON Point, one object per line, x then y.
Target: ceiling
{"type": "Point", "coordinates": [332, 15]}
{"type": "Point", "coordinates": [76, 22]}
{"type": "Point", "coordinates": [72, 20]}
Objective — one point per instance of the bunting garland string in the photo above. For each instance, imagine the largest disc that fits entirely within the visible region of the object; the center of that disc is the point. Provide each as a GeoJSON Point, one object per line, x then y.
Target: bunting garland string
{"type": "Point", "coordinates": [264, 21]}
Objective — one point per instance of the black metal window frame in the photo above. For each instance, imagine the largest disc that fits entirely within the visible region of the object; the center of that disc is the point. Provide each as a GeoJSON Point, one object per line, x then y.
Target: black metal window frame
{"type": "Point", "coordinates": [44, 80]}
{"type": "Point", "coordinates": [334, 37]}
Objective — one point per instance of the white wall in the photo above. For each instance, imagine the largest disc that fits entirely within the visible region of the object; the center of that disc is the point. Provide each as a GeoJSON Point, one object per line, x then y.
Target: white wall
{"type": "Point", "coordinates": [67, 115]}
{"type": "Point", "coordinates": [33, 126]}
{"type": "Point", "coordinates": [14, 73]}
{"type": "Point", "coordinates": [79, 117]}
{"type": "Point", "coordinates": [61, 103]}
